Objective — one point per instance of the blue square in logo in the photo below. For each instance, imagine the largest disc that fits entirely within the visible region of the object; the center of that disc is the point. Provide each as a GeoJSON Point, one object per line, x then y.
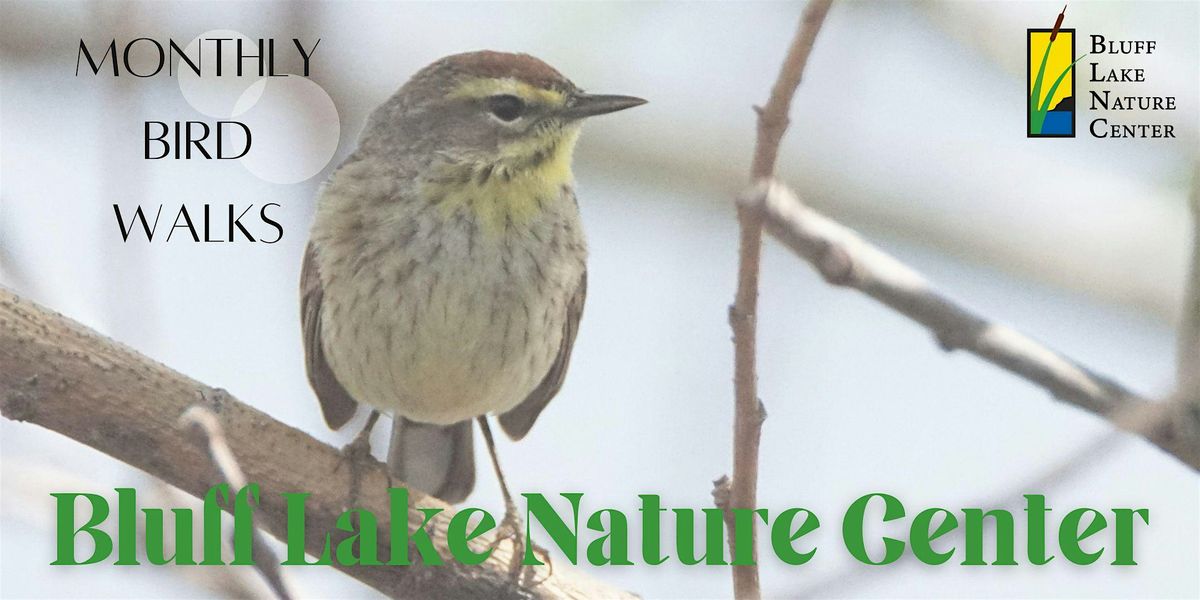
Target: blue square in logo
{"type": "Point", "coordinates": [1058, 122]}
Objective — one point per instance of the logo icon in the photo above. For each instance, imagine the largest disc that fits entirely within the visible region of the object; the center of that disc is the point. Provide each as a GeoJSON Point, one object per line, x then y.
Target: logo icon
{"type": "Point", "coordinates": [1050, 54]}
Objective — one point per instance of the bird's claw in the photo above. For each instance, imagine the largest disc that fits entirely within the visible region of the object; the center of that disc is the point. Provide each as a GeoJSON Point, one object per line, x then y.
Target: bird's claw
{"type": "Point", "coordinates": [358, 450]}
{"type": "Point", "coordinates": [354, 455]}
{"type": "Point", "coordinates": [511, 529]}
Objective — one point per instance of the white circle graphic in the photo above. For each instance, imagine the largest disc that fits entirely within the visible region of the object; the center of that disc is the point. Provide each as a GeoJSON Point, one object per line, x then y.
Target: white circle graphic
{"type": "Point", "coordinates": [294, 128]}
{"type": "Point", "coordinates": [292, 121]}
{"type": "Point", "coordinates": [212, 94]}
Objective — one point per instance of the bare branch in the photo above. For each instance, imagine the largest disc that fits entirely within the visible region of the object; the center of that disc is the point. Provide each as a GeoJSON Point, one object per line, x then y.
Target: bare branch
{"type": "Point", "coordinates": [223, 458]}
{"type": "Point", "coordinates": [843, 258]}
{"type": "Point", "coordinates": [67, 378]}
{"type": "Point", "coordinates": [857, 574]}
{"type": "Point", "coordinates": [1140, 419]}
{"type": "Point", "coordinates": [748, 411]}
{"type": "Point", "coordinates": [1188, 353]}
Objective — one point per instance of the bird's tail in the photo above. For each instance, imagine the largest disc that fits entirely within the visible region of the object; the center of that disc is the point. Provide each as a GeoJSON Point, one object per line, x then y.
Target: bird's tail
{"type": "Point", "coordinates": [436, 459]}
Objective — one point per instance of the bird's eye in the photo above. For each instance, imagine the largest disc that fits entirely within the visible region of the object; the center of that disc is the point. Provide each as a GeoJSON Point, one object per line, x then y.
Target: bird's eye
{"type": "Point", "coordinates": [506, 107]}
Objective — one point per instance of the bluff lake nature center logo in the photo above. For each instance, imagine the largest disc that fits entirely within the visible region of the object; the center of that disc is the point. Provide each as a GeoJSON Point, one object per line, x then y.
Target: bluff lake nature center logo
{"type": "Point", "coordinates": [1051, 93]}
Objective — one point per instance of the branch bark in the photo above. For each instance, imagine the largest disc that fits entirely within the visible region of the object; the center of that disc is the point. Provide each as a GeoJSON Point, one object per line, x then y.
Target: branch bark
{"type": "Point", "coordinates": [67, 378]}
{"type": "Point", "coordinates": [844, 259]}
{"type": "Point", "coordinates": [749, 412]}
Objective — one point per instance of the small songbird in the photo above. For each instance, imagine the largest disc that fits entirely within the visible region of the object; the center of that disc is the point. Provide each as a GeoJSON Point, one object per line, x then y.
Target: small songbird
{"type": "Point", "coordinates": [445, 273]}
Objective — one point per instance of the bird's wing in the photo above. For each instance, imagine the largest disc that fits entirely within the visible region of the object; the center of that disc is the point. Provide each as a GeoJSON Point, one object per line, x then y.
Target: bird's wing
{"type": "Point", "coordinates": [336, 404]}
{"type": "Point", "coordinates": [517, 422]}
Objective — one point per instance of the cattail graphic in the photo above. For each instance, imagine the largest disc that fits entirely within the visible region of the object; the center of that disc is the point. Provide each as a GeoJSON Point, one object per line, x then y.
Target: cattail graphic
{"type": "Point", "coordinates": [1058, 23]}
{"type": "Point", "coordinates": [1039, 103]}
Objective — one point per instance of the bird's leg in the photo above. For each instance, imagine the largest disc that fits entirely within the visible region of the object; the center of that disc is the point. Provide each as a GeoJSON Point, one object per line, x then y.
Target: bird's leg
{"type": "Point", "coordinates": [360, 446]}
{"type": "Point", "coordinates": [511, 528]}
{"type": "Point", "coordinates": [357, 451]}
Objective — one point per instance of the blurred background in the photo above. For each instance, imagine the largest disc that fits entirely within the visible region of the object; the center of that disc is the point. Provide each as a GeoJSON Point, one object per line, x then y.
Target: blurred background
{"type": "Point", "coordinates": [909, 126]}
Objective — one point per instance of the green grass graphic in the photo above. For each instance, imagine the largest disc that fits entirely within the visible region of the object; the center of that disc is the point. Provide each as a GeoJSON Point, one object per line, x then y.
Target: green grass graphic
{"type": "Point", "coordinates": [1038, 110]}
{"type": "Point", "coordinates": [1037, 116]}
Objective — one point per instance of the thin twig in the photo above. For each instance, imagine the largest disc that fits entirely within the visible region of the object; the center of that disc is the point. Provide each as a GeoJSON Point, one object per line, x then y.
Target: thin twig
{"type": "Point", "coordinates": [1188, 352]}
{"type": "Point", "coordinates": [266, 562]}
{"type": "Point", "coordinates": [749, 412]}
{"type": "Point", "coordinates": [773, 117]}
{"type": "Point", "coordinates": [844, 259]}
{"type": "Point", "coordinates": [28, 484]}
{"type": "Point", "coordinates": [1141, 419]}
{"type": "Point", "coordinates": [857, 574]}
{"type": "Point", "coordinates": [234, 582]}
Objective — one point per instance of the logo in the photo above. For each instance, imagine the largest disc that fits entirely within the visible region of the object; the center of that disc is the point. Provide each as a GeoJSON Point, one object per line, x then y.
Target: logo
{"type": "Point", "coordinates": [1050, 54]}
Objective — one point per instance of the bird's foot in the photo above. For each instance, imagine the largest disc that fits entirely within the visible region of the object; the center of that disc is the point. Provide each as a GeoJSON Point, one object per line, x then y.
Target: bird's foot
{"type": "Point", "coordinates": [358, 449]}
{"type": "Point", "coordinates": [512, 529]}
{"type": "Point", "coordinates": [355, 456]}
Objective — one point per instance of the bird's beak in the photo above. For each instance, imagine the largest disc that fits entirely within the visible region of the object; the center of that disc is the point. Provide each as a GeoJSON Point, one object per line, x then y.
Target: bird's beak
{"type": "Point", "coordinates": [590, 105]}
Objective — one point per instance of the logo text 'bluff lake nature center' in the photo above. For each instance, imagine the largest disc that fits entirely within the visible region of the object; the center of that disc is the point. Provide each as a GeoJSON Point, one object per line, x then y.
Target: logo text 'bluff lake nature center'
{"type": "Point", "coordinates": [1052, 96]}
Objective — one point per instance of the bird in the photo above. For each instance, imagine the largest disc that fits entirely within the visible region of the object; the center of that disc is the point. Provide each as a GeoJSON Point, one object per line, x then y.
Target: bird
{"type": "Point", "coordinates": [446, 269]}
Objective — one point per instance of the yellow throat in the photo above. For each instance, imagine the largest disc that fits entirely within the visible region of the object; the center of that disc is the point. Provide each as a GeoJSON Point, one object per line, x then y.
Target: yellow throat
{"type": "Point", "coordinates": [526, 176]}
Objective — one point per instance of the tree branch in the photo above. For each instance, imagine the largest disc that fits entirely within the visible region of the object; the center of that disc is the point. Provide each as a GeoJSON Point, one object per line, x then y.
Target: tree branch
{"type": "Point", "coordinates": [749, 412]}
{"type": "Point", "coordinates": [1188, 352]}
{"type": "Point", "coordinates": [844, 259]}
{"type": "Point", "coordinates": [67, 378]}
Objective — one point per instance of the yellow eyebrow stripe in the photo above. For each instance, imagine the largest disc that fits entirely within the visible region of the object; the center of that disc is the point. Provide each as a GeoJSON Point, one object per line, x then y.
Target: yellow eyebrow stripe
{"type": "Point", "coordinates": [483, 87]}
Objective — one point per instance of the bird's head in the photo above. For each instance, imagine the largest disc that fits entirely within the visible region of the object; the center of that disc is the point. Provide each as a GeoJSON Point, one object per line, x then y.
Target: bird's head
{"type": "Point", "coordinates": [508, 111]}
{"type": "Point", "coordinates": [487, 134]}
